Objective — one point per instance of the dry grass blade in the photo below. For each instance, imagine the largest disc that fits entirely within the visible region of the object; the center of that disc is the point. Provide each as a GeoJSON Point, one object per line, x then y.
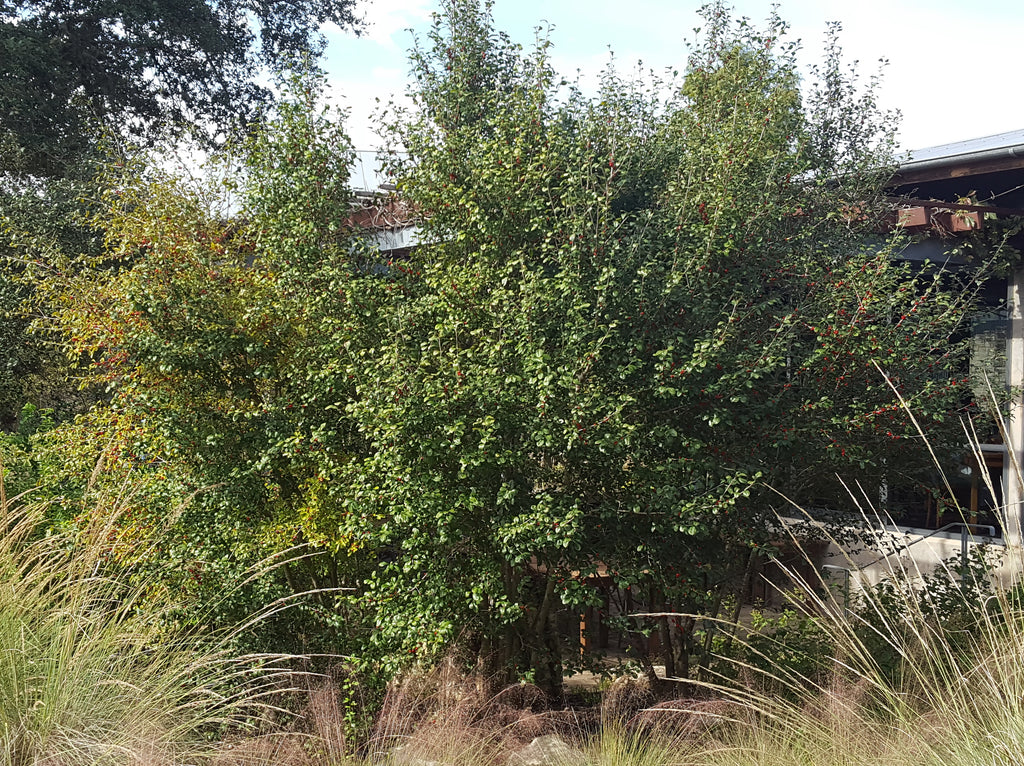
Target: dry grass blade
{"type": "Point", "coordinates": [91, 671]}
{"type": "Point", "coordinates": [907, 683]}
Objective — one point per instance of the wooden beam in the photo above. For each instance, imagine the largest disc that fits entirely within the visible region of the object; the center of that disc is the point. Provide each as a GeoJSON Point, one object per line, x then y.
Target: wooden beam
{"type": "Point", "coordinates": [909, 175]}
{"type": "Point", "coordinates": [931, 203]}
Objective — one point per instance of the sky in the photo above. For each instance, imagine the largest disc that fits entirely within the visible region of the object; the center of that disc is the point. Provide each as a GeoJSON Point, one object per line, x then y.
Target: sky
{"type": "Point", "coordinates": [953, 66]}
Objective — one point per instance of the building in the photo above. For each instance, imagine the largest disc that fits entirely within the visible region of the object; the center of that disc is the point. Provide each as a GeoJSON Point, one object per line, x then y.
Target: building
{"type": "Point", "coordinates": [391, 223]}
{"type": "Point", "coordinates": [945, 193]}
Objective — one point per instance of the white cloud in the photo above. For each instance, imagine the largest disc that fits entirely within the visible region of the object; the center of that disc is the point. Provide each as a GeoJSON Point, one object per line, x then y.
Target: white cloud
{"type": "Point", "coordinates": [949, 63]}
{"type": "Point", "coordinates": [387, 19]}
{"type": "Point", "coordinates": [365, 98]}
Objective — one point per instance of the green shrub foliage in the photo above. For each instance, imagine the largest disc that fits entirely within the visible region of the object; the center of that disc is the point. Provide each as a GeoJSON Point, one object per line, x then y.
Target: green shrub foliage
{"type": "Point", "coordinates": [627, 316]}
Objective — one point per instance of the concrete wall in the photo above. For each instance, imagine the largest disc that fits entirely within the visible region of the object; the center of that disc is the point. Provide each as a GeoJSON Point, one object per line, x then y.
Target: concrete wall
{"type": "Point", "coordinates": [1013, 482]}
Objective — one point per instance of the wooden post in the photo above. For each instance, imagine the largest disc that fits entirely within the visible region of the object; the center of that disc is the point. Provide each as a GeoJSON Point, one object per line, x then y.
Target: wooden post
{"type": "Point", "coordinates": [583, 632]}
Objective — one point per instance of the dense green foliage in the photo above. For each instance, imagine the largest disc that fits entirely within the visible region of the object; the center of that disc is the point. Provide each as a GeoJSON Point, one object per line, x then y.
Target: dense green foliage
{"type": "Point", "coordinates": [40, 222]}
{"type": "Point", "coordinates": [65, 66]}
{"type": "Point", "coordinates": [212, 336]}
{"type": "Point", "coordinates": [133, 72]}
{"type": "Point", "coordinates": [627, 318]}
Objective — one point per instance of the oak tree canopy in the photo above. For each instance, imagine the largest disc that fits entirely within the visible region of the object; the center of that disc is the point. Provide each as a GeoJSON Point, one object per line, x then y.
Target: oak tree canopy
{"type": "Point", "coordinates": [142, 65]}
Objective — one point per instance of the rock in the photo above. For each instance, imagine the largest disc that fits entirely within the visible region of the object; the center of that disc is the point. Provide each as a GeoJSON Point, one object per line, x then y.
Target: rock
{"type": "Point", "coordinates": [625, 698]}
{"type": "Point", "coordinates": [401, 756]}
{"type": "Point", "coordinates": [549, 750]}
{"type": "Point", "coordinates": [686, 718]}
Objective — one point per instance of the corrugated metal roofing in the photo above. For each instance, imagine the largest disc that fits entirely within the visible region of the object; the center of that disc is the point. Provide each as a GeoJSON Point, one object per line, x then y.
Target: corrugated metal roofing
{"type": "Point", "coordinates": [969, 146]}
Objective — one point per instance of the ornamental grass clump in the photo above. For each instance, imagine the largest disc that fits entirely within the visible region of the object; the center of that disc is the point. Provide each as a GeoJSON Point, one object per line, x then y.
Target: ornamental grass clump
{"type": "Point", "coordinates": [445, 716]}
{"type": "Point", "coordinates": [92, 668]}
{"type": "Point", "coordinates": [620, 746]}
{"type": "Point", "coordinates": [922, 667]}
{"type": "Point", "coordinates": [903, 689]}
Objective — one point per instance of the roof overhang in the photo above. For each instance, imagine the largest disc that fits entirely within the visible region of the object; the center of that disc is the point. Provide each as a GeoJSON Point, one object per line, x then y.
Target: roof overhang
{"type": "Point", "coordinates": [991, 154]}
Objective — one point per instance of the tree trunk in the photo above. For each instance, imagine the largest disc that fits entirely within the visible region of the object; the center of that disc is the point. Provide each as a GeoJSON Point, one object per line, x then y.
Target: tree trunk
{"type": "Point", "coordinates": [545, 654]}
{"type": "Point", "coordinates": [734, 621]}
{"type": "Point", "coordinates": [682, 644]}
{"type": "Point", "coordinates": [668, 654]}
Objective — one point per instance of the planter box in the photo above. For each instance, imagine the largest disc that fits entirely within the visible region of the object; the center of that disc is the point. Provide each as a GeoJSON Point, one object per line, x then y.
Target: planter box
{"type": "Point", "coordinates": [964, 220]}
{"type": "Point", "coordinates": [913, 217]}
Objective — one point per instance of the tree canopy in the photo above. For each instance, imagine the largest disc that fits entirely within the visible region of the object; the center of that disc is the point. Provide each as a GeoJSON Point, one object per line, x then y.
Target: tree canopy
{"type": "Point", "coordinates": [64, 66]}
{"type": "Point", "coordinates": [130, 71]}
{"type": "Point", "coordinates": [632, 317]}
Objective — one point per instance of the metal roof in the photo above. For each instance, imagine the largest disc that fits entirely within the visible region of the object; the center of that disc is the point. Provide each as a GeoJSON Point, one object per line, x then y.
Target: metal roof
{"type": "Point", "coordinates": [976, 156]}
{"type": "Point", "coordinates": [985, 154]}
{"type": "Point", "coordinates": [970, 146]}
